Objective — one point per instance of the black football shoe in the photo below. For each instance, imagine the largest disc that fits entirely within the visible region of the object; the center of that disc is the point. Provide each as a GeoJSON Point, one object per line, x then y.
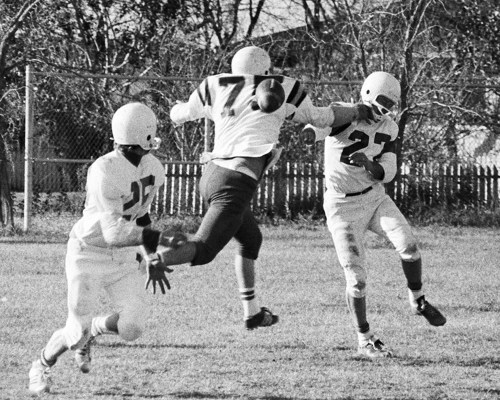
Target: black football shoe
{"type": "Point", "coordinates": [429, 312]}
{"type": "Point", "coordinates": [262, 319]}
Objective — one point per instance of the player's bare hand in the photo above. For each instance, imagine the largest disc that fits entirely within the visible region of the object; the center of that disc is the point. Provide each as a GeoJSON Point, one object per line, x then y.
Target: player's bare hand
{"type": "Point", "coordinates": [308, 135]}
{"type": "Point", "coordinates": [156, 275]}
{"type": "Point", "coordinates": [359, 160]}
{"type": "Point", "coordinates": [205, 157]}
{"type": "Point", "coordinates": [365, 113]}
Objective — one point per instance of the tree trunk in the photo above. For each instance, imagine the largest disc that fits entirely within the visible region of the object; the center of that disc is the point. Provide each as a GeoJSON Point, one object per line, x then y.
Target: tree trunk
{"type": "Point", "coordinates": [6, 203]}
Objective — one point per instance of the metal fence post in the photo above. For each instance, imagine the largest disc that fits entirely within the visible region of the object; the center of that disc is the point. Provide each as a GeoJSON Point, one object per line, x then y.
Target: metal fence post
{"type": "Point", "coordinates": [207, 145]}
{"type": "Point", "coordinates": [28, 151]}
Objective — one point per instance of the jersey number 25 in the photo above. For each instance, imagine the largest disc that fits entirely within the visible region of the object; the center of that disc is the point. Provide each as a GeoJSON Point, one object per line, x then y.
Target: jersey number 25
{"type": "Point", "coordinates": [138, 189]}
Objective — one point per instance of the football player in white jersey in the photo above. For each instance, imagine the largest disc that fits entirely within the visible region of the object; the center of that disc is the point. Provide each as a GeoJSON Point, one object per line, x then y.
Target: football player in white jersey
{"type": "Point", "coordinates": [245, 146]}
{"type": "Point", "coordinates": [102, 245]}
{"type": "Point", "coordinates": [359, 158]}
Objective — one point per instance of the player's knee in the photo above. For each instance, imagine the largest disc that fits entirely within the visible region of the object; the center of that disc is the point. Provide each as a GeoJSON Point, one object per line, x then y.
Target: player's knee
{"type": "Point", "coordinates": [251, 248]}
{"type": "Point", "coordinates": [131, 323]}
{"type": "Point", "coordinates": [76, 337]}
{"type": "Point", "coordinates": [355, 280]}
{"type": "Point", "coordinates": [410, 252]}
{"type": "Point", "coordinates": [204, 254]}
{"type": "Point", "coordinates": [130, 331]}
{"type": "Point", "coordinates": [357, 289]}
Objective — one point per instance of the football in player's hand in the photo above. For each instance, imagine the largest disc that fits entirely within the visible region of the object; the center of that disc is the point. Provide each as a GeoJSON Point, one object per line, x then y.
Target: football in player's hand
{"type": "Point", "coordinates": [269, 95]}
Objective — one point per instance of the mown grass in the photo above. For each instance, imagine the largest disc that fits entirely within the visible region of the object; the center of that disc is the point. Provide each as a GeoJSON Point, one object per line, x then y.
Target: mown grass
{"type": "Point", "coordinates": [195, 346]}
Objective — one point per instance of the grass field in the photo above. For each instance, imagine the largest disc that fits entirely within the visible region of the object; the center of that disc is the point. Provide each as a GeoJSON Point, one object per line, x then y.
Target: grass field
{"type": "Point", "coordinates": [195, 346]}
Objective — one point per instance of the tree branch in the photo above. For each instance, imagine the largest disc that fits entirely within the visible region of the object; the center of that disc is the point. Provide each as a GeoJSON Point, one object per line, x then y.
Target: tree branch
{"type": "Point", "coordinates": [13, 28]}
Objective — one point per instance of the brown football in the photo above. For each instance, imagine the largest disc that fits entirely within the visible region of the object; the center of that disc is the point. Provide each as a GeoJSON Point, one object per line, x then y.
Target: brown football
{"type": "Point", "coordinates": [269, 95]}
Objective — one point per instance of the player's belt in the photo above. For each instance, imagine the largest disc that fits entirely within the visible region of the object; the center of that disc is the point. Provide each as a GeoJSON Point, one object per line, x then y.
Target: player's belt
{"type": "Point", "coordinates": [358, 193]}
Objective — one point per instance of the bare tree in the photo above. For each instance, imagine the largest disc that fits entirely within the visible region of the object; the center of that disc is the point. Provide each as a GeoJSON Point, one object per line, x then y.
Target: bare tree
{"type": "Point", "coordinates": [9, 59]}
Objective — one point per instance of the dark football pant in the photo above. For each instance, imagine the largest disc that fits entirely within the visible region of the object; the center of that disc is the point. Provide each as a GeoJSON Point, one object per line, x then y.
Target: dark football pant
{"type": "Point", "coordinates": [227, 195]}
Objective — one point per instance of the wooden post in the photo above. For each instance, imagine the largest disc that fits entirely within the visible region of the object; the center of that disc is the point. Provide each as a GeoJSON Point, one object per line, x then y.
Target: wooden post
{"type": "Point", "coordinates": [28, 150]}
{"type": "Point", "coordinates": [495, 188]}
{"type": "Point", "coordinates": [482, 194]}
{"type": "Point", "coordinates": [488, 193]}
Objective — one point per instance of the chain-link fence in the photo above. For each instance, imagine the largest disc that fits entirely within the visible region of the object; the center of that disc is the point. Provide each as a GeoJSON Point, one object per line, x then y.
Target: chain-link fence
{"type": "Point", "coordinates": [72, 123]}
{"type": "Point", "coordinates": [68, 125]}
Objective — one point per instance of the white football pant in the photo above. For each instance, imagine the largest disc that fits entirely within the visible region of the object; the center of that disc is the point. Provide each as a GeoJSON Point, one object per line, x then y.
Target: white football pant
{"type": "Point", "coordinates": [91, 269]}
{"type": "Point", "coordinates": [348, 220]}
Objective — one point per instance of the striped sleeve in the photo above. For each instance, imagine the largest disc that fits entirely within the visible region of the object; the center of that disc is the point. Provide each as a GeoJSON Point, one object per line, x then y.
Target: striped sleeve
{"type": "Point", "coordinates": [204, 93]}
{"type": "Point", "coordinates": [197, 106]}
{"type": "Point", "coordinates": [299, 106]}
{"type": "Point", "coordinates": [297, 94]}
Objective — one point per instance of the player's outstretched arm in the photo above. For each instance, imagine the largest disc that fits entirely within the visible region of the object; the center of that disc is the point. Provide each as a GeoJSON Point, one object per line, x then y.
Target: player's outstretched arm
{"type": "Point", "coordinates": [181, 255]}
{"type": "Point", "coordinates": [193, 109]}
{"type": "Point", "coordinates": [171, 239]}
{"type": "Point", "coordinates": [347, 113]}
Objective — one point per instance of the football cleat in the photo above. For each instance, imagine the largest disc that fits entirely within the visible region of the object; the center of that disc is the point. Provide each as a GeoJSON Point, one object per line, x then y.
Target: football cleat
{"type": "Point", "coordinates": [263, 318]}
{"type": "Point", "coordinates": [428, 311]}
{"type": "Point", "coordinates": [82, 356]}
{"type": "Point", "coordinates": [40, 381]}
{"type": "Point", "coordinates": [374, 348]}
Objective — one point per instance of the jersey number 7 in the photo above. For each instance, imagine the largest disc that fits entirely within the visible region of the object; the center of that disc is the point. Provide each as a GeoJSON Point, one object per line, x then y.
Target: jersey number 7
{"type": "Point", "coordinates": [239, 82]}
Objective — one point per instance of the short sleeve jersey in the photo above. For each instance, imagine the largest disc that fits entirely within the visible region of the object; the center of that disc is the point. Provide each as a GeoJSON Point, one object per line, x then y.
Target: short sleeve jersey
{"type": "Point", "coordinates": [241, 129]}
{"type": "Point", "coordinates": [117, 194]}
{"type": "Point", "coordinates": [376, 140]}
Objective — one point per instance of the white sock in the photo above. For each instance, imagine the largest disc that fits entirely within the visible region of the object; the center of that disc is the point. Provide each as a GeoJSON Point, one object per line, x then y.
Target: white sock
{"type": "Point", "coordinates": [413, 295]}
{"type": "Point", "coordinates": [99, 327]}
{"type": "Point", "coordinates": [250, 305]}
{"type": "Point", "coordinates": [364, 337]}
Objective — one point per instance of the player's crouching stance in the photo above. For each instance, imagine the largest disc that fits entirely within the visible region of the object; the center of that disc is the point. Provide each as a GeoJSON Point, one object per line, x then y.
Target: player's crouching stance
{"type": "Point", "coordinates": [101, 251]}
{"type": "Point", "coordinates": [359, 159]}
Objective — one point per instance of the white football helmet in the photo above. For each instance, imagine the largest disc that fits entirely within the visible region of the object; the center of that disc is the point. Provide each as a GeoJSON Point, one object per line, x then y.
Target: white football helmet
{"type": "Point", "coordinates": [251, 60]}
{"type": "Point", "coordinates": [382, 91]}
{"type": "Point", "coordinates": [135, 124]}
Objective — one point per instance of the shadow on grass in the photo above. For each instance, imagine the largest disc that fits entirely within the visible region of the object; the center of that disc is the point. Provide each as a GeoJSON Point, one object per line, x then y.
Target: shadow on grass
{"type": "Point", "coordinates": [18, 241]}
{"type": "Point", "coordinates": [488, 362]}
{"type": "Point", "coordinates": [117, 345]}
{"type": "Point", "coordinates": [486, 307]}
{"type": "Point", "coordinates": [120, 345]}
{"type": "Point", "coordinates": [487, 391]}
{"type": "Point", "coordinates": [125, 395]}
{"type": "Point", "coordinates": [205, 395]}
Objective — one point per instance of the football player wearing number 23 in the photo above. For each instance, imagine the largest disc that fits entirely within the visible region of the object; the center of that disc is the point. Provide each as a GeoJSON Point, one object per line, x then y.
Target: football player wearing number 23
{"type": "Point", "coordinates": [359, 158]}
{"type": "Point", "coordinates": [102, 247]}
{"type": "Point", "coordinates": [245, 146]}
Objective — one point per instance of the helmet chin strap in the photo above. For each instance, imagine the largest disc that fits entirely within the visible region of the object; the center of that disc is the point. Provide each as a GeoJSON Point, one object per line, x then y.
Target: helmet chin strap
{"type": "Point", "coordinates": [377, 115]}
{"type": "Point", "coordinates": [132, 153]}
